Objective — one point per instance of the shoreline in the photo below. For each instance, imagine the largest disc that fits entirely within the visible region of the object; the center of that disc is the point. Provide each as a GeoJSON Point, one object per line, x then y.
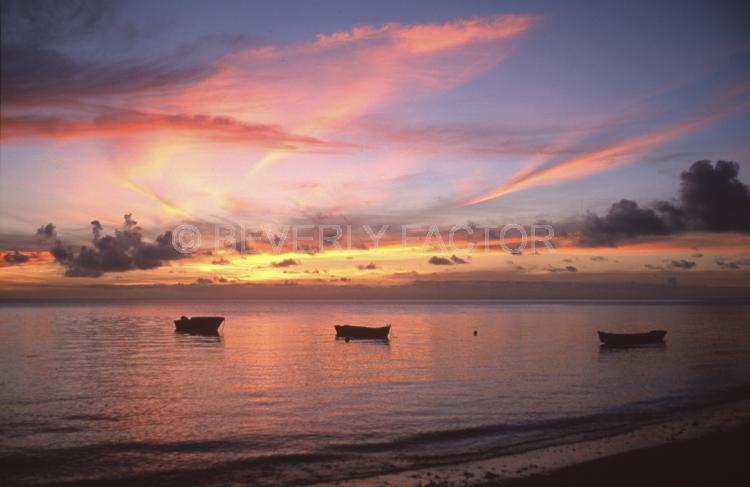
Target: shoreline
{"type": "Point", "coordinates": [718, 458]}
{"type": "Point", "coordinates": [698, 443]}
{"type": "Point", "coordinates": [721, 429]}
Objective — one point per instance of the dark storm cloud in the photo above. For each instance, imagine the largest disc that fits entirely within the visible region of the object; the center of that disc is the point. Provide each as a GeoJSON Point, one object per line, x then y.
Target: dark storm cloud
{"type": "Point", "coordinates": [123, 251]}
{"type": "Point", "coordinates": [46, 21]}
{"type": "Point", "coordinates": [711, 198]}
{"type": "Point", "coordinates": [284, 263]}
{"type": "Point", "coordinates": [96, 229]}
{"type": "Point", "coordinates": [46, 231]}
{"type": "Point", "coordinates": [732, 264]}
{"type": "Point", "coordinates": [43, 61]}
{"type": "Point", "coordinates": [33, 75]}
{"type": "Point", "coordinates": [682, 264]}
{"type": "Point", "coordinates": [567, 268]}
{"type": "Point", "coordinates": [654, 267]}
{"type": "Point", "coordinates": [453, 259]}
{"type": "Point", "coordinates": [15, 257]}
{"type": "Point", "coordinates": [435, 260]}
{"type": "Point", "coordinates": [714, 199]}
{"type": "Point", "coordinates": [35, 68]}
{"type": "Point", "coordinates": [624, 219]}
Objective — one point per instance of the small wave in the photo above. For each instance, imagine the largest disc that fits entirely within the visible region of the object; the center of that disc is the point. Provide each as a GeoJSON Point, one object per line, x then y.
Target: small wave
{"type": "Point", "coordinates": [18, 467]}
{"type": "Point", "coordinates": [90, 417]}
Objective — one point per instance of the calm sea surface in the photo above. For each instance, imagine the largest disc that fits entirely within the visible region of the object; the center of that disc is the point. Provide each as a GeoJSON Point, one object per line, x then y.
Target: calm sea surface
{"type": "Point", "coordinates": [110, 391]}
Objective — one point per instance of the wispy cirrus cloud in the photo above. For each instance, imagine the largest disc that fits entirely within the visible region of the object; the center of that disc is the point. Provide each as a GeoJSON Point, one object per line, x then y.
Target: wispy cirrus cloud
{"type": "Point", "coordinates": [120, 123]}
{"type": "Point", "coordinates": [600, 159]}
{"type": "Point", "coordinates": [316, 87]}
{"type": "Point", "coordinates": [252, 105]}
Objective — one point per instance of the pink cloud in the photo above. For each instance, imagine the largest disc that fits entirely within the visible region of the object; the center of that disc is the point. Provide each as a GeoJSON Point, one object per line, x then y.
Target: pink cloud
{"type": "Point", "coordinates": [320, 86]}
{"type": "Point", "coordinates": [602, 158]}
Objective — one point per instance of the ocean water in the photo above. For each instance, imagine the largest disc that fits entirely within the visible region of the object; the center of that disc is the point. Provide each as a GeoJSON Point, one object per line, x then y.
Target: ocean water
{"type": "Point", "coordinates": [109, 392]}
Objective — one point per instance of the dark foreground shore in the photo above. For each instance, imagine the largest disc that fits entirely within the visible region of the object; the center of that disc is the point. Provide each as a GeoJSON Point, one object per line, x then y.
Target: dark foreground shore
{"type": "Point", "coordinates": [703, 446]}
{"type": "Point", "coordinates": [719, 459]}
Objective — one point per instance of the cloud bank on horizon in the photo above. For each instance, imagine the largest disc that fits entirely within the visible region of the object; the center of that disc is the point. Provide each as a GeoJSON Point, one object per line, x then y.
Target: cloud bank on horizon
{"type": "Point", "coordinates": [711, 200]}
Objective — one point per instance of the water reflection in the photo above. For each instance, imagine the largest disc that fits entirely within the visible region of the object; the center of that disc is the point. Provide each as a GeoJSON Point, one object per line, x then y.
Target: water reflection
{"type": "Point", "coordinates": [199, 333]}
{"type": "Point", "coordinates": [182, 338]}
{"type": "Point", "coordinates": [607, 348]}
{"type": "Point", "coordinates": [279, 382]}
{"type": "Point", "coordinates": [376, 342]}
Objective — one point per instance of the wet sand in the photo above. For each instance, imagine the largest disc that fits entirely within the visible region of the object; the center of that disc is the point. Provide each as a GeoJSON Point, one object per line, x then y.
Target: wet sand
{"type": "Point", "coordinates": [704, 447]}
{"type": "Point", "coordinates": [716, 459]}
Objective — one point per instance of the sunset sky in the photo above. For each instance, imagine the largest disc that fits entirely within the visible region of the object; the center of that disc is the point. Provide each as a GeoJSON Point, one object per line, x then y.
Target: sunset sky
{"type": "Point", "coordinates": [473, 113]}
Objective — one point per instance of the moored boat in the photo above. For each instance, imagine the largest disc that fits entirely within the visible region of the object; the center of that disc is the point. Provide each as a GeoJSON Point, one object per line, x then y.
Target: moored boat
{"type": "Point", "coordinates": [627, 339]}
{"type": "Point", "coordinates": [362, 332]}
{"type": "Point", "coordinates": [202, 325]}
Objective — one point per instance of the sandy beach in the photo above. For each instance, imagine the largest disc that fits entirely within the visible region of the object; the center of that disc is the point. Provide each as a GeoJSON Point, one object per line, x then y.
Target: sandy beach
{"type": "Point", "coordinates": [702, 447]}
{"type": "Point", "coordinates": [714, 459]}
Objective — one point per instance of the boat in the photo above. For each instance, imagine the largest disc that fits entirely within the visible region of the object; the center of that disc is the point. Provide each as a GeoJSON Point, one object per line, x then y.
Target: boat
{"type": "Point", "coordinates": [362, 332]}
{"type": "Point", "coordinates": [628, 339]}
{"type": "Point", "coordinates": [201, 325]}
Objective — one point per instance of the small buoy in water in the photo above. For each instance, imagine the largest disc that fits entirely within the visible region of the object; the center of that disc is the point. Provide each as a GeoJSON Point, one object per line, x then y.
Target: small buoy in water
{"type": "Point", "coordinates": [476, 333]}
{"type": "Point", "coordinates": [346, 339]}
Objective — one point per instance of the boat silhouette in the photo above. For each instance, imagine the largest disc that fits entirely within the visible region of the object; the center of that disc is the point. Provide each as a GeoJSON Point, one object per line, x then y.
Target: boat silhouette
{"type": "Point", "coordinates": [351, 332]}
{"type": "Point", "coordinates": [199, 325]}
{"type": "Point", "coordinates": [630, 339]}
